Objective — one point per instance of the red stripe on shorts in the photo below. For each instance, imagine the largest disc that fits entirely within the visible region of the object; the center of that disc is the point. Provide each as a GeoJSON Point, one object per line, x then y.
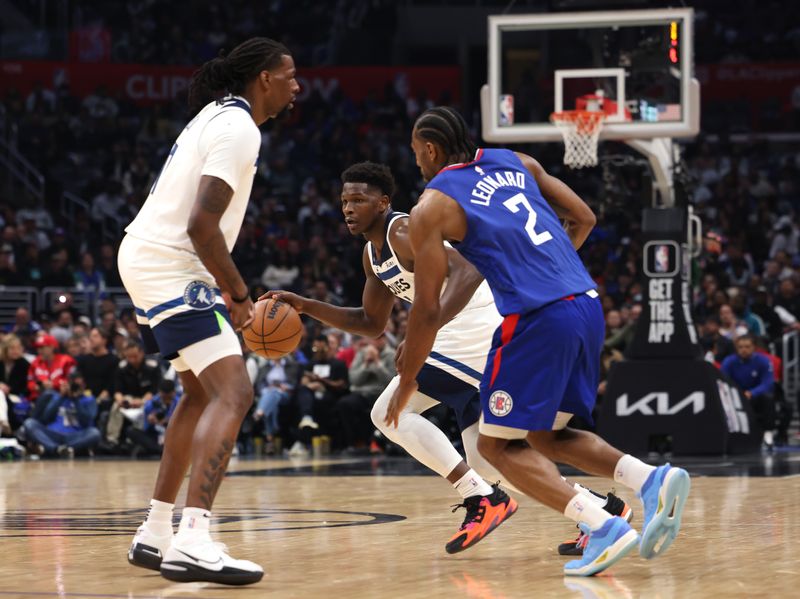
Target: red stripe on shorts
{"type": "Point", "coordinates": [506, 333]}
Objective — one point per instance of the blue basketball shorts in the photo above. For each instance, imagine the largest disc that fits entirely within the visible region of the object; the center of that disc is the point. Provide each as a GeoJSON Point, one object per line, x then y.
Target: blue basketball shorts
{"type": "Point", "coordinates": [542, 363]}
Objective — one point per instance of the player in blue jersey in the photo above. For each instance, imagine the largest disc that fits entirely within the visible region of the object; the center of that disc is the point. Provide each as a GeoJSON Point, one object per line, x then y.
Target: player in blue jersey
{"type": "Point", "coordinates": [452, 372]}
{"type": "Point", "coordinates": [543, 366]}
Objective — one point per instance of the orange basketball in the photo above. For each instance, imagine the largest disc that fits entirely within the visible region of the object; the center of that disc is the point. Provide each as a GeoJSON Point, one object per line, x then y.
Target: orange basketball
{"type": "Point", "coordinates": [275, 331]}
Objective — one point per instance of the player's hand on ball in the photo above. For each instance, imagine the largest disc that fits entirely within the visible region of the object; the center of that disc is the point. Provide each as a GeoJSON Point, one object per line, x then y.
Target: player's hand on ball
{"type": "Point", "coordinates": [400, 398]}
{"type": "Point", "coordinates": [242, 314]}
{"type": "Point", "coordinates": [294, 300]}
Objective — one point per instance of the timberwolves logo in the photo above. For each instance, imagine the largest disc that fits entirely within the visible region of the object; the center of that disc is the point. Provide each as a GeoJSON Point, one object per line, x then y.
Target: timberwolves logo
{"type": "Point", "coordinates": [500, 403]}
{"type": "Point", "coordinates": [199, 295]}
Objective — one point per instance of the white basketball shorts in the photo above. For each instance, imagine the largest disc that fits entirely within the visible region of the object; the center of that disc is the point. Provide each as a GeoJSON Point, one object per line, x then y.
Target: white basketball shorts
{"type": "Point", "coordinates": [179, 309]}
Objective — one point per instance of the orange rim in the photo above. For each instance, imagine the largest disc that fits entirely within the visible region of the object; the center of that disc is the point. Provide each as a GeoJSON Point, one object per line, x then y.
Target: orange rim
{"type": "Point", "coordinates": [585, 121]}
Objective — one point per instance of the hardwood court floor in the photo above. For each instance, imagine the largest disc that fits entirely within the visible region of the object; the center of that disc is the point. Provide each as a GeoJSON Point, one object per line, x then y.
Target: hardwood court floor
{"type": "Point", "coordinates": [65, 529]}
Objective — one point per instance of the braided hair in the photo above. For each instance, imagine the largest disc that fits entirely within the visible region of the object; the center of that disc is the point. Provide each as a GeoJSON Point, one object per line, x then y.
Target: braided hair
{"type": "Point", "coordinates": [232, 73]}
{"type": "Point", "coordinates": [445, 127]}
{"type": "Point", "coordinates": [373, 174]}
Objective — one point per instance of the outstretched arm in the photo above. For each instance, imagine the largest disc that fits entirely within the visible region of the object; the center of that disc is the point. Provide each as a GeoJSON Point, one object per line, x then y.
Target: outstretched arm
{"type": "Point", "coordinates": [368, 320]}
{"type": "Point", "coordinates": [567, 205]}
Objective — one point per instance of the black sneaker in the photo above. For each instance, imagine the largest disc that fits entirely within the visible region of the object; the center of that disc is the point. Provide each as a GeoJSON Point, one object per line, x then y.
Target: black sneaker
{"type": "Point", "coordinates": [615, 506]}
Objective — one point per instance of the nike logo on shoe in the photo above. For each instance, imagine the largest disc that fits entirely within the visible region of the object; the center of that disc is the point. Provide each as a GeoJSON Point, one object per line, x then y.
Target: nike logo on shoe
{"type": "Point", "coordinates": [215, 565]}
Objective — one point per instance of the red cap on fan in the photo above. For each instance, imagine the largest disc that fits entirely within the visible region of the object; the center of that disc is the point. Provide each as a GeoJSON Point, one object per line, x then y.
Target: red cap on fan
{"type": "Point", "coordinates": [46, 341]}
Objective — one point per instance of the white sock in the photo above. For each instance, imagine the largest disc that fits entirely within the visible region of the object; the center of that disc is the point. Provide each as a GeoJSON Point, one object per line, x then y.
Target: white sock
{"type": "Point", "coordinates": [159, 518]}
{"type": "Point", "coordinates": [580, 509]}
{"type": "Point", "coordinates": [632, 472]}
{"type": "Point", "coordinates": [471, 484]}
{"type": "Point", "coordinates": [194, 522]}
{"type": "Point", "coordinates": [600, 500]}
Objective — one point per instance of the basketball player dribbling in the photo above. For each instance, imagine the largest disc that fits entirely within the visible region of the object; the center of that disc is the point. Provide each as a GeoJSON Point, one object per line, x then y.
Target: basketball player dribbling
{"type": "Point", "coordinates": [452, 372]}
{"type": "Point", "coordinates": [190, 299]}
{"type": "Point", "coordinates": [543, 366]}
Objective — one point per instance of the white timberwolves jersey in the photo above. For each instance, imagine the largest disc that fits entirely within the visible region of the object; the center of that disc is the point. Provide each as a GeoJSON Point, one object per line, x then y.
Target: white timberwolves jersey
{"type": "Point", "coordinates": [461, 345]}
{"type": "Point", "coordinates": [221, 141]}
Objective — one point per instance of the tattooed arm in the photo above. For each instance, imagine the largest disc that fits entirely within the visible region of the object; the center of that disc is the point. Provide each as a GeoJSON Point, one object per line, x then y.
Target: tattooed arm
{"type": "Point", "coordinates": [213, 197]}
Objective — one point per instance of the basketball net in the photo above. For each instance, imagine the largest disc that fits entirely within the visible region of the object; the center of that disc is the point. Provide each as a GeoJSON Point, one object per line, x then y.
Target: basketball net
{"type": "Point", "coordinates": [581, 132]}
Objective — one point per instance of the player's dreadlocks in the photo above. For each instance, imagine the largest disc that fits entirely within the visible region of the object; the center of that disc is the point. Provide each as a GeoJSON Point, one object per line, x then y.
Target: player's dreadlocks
{"type": "Point", "coordinates": [445, 127]}
{"type": "Point", "coordinates": [373, 174]}
{"type": "Point", "coordinates": [232, 73]}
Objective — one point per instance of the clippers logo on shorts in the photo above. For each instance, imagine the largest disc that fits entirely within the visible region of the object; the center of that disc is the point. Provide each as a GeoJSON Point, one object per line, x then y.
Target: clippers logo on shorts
{"type": "Point", "coordinates": [500, 403]}
{"type": "Point", "coordinates": [199, 295]}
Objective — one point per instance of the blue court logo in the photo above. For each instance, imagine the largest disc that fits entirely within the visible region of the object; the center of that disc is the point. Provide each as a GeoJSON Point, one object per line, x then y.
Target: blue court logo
{"type": "Point", "coordinates": [500, 403]}
{"type": "Point", "coordinates": [199, 295]}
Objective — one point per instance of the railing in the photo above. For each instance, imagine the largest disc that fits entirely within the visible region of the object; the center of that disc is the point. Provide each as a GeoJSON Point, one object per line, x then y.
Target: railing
{"type": "Point", "coordinates": [19, 170]}
{"type": "Point", "coordinates": [71, 205]}
{"type": "Point", "coordinates": [790, 353]}
{"type": "Point", "coordinates": [12, 298]}
{"type": "Point", "coordinates": [87, 302]}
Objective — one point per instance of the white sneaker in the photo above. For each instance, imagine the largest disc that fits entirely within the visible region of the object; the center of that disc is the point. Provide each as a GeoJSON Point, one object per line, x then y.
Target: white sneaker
{"type": "Point", "coordinates": [299, 450]}
{"type": "Point", "coordinates": [202, 560]}
{"type": "Point", "coordinates": [147, 549]}
{"type": "Point", "coordinates": [308, 422]}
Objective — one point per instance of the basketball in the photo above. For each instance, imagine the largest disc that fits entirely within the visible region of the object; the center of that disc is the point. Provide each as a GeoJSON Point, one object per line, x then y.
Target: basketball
{"type": "Point", "coordinates": [275, 331]}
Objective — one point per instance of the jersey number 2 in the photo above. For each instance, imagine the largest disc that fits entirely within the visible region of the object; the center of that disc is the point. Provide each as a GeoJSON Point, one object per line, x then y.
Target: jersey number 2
{"type": "Point", "coordinates": [513, 204]}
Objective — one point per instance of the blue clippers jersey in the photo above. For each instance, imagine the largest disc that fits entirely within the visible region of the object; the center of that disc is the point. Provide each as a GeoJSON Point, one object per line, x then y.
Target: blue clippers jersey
{"type": "Point", "coordinates": [513, 236]}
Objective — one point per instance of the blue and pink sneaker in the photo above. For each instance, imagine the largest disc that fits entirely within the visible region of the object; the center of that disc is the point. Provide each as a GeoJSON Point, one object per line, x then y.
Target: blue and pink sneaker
{"type": "Point", "coordinates": [606, 546]}
{"type": "Point", "coordinates": [664, 495]}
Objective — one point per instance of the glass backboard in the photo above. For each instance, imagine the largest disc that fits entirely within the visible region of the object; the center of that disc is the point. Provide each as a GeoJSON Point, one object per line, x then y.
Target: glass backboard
{"type": "Point", "coordinates": [635, 66]}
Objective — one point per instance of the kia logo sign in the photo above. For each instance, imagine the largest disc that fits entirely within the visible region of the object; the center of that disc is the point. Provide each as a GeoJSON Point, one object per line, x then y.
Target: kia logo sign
{"type": "Point", "coordinates": [644, 406]}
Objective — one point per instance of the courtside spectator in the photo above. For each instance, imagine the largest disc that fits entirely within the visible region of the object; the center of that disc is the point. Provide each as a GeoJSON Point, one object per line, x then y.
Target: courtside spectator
{"type": "Point", "coordinates": [323, 382]}
{"type": "Point", "coordinates": [65, 424]}
{"type": "Point", "coordinates": [13, 381]}
{"type": "Point", "coordinates": [99, 366]}
{"type": "Point", "coordinates": [370, 372]}
{"type": "Point", "coordinates": [49, 369]}
{"type": "Point", "coordinates": [135, 383]}
{"type": "Point", "coordinates": [730, 326]}
{"type": "Point", "coordinates": [752, 372]}
{"type": "Point", "coordinates": [157, 411]}
{"type": "Point", "coordinates": [24, 327]}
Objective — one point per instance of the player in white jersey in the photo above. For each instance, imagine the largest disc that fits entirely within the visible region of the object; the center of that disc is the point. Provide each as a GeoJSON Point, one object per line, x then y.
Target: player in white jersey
{"type": "Point", "coordinates": [453, 370]}
{"type": "Point", "coordinates": [190, 299]}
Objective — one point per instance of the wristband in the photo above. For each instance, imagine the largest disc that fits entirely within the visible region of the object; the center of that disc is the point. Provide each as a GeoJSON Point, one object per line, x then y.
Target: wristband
{"type": "Point", "coordinates": [243, 299]}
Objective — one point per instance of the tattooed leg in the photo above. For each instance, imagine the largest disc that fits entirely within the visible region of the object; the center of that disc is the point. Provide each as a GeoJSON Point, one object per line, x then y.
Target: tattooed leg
{"type": "Point", "coordinates": [214, 471]}
{"type": "Point", "coordinates": [231, 394]}
{"type": "Point", "coordinates": [177, 454]}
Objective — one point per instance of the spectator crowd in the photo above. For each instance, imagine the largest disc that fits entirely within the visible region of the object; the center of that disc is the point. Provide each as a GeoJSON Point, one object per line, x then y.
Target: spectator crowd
{"type": "Point", "coordinates": [78, 382]}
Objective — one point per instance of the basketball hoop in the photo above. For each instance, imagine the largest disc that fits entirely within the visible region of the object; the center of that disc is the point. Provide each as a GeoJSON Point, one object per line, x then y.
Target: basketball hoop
{"type": "Point", "coordinates": [581, 132]}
